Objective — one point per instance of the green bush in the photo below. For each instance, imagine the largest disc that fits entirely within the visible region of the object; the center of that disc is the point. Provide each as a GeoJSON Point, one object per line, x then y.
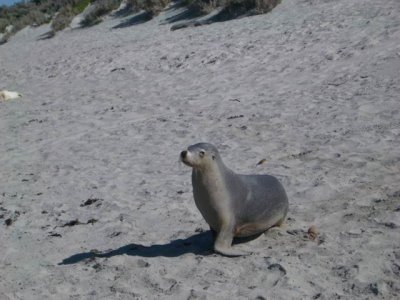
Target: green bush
{"type": "Point", "coordinates": [3, 24]}
{"type": "Point", "coordinates": [65, 15]}
{"type": "Point", "coordinates": [38, 12]}
{"type": "Point", "coordinates": [80, 6]}
{"type": "Point", "coordinates": [101, 7]}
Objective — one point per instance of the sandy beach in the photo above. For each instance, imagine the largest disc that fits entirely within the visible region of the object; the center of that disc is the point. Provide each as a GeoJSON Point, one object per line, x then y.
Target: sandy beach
{"type": "Point", "coordinates": [94, 203]}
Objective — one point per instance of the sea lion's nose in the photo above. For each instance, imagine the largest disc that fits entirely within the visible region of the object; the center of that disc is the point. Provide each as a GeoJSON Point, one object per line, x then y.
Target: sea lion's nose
{"type": "Point", "coordinates": [183, 154]}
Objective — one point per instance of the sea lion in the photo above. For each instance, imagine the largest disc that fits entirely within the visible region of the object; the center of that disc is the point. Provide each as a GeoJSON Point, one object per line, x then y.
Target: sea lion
{"type": "Point", "coordinates": [9, 95]}
{"type": "Point", "coordinates": [234, 205]}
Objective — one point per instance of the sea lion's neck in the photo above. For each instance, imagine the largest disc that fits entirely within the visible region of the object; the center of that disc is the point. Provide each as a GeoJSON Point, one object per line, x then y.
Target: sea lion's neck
{"type": "Point", "coordinates": [211, 172]}
{"type": "Point", "coordinates": [210, 194]}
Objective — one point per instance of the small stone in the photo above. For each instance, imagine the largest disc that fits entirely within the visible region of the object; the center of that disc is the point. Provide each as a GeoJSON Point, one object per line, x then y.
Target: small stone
{"type": "Point", "coordinates": [90, 201]}
{"type": "Point", "coordinates": [277, 267]}
{"type": "Point", "coordinates": [355, 232]}
{"type": "Point", "coordinates": [114, 234]}
{"type": "Point", "coordinates": [55, 234]}
{"type": "Point", "coordinates": [396, 269]}
{"type": "Point", "coordinates": [390, 225]}
{"type": "Point", "coordinates": [263, 161]}
{"type": "Point", "coordinates": [295, 231]}
{"type": "Point", "coordinates": [142, 263]}
{"type": "Point", "coordinates": [312, 232]}
{"type": "Point", "coordinates": [374, 288]}
{"type": "Point", "coordinates": [97, 267]}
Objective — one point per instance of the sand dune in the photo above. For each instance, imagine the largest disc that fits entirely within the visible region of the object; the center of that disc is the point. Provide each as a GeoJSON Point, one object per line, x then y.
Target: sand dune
{"type": "Point", "coordinates": [95, 205]}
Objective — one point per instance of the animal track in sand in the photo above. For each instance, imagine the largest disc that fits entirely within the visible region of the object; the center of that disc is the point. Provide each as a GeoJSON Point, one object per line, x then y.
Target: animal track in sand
{"type": "Point", "coordinates": [275, 272]}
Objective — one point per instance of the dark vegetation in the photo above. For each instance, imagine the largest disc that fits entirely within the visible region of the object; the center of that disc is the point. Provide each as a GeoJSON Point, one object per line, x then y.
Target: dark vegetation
{"type": "Point", "coordinates": [153, 7]}
{"type": "Point", "coordinates": [38, 12]}
{"type": "Point", "coordinates": [234, 7]}
{"type": "Point", "coordinates": [61, 12]}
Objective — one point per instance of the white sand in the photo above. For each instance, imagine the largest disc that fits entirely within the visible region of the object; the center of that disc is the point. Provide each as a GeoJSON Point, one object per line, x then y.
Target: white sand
{"type": "Point", "coordinates": [106, 112]}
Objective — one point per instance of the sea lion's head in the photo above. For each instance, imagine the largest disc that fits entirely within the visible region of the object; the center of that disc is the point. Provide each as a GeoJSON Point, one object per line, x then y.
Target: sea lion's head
{"type": "Point", "coordinates": [200, 155]}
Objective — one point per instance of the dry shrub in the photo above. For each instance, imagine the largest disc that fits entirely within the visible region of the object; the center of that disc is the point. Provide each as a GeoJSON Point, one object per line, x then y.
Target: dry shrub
{"type": "Point", "coordinates": [3, 24]}
{"type": "Point", "coordinates": [264, 6]}
{"type": "Point", "coordinates": [34, 18]}
{"type": "Point", "coordinates": [37, 12]}
{"type": "Point", "coordinates": [63, 18]}
{"type": "Point", "coordinates": [153, 7]}
{"type": "Point", "coordinates": [101, 7]}
{"type": "Point", "coordinates": [204, 6]}
{"type": "Point", "coordinates": [4, 38]}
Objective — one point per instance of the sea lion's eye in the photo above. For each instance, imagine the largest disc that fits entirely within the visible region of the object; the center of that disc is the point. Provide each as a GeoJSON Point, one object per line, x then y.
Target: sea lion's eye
{"type": "Point", "coordinates": [202, 153]}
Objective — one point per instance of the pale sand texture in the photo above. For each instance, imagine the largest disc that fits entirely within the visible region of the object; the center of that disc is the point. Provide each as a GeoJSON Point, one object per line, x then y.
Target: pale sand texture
{"type": "Point", "coordinates": [314, 88]}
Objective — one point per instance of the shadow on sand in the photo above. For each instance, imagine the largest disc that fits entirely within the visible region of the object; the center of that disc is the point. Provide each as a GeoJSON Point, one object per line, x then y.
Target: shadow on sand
{"type": "Point", "coordinates": [136, 19]}
{"type": "Point", "coordinates": [184, 13]}
{"type": "Point", "coordinates": [199, 244]}
{"type": "Point", "coordinates": [182, 16]}
{"type": "Point", "coordinates": [219, 15]}
{"type": "Point", "coordinates": [124, 12]}
{"type": "Point", "coordinates": [47, 35]}
{"type": "Point", "coordinates": [192, 16]}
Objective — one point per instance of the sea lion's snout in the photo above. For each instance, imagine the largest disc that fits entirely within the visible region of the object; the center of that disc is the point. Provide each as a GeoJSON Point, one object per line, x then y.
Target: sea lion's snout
{"type": "Point", "coordinates": [183, 154]}
{"type": "Point", "coordinates": [185, 158]}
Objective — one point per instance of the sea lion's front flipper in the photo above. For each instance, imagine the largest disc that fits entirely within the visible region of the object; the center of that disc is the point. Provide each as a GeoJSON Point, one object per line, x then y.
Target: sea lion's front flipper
{"type": "Point", "coordinates": [223, 243]}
